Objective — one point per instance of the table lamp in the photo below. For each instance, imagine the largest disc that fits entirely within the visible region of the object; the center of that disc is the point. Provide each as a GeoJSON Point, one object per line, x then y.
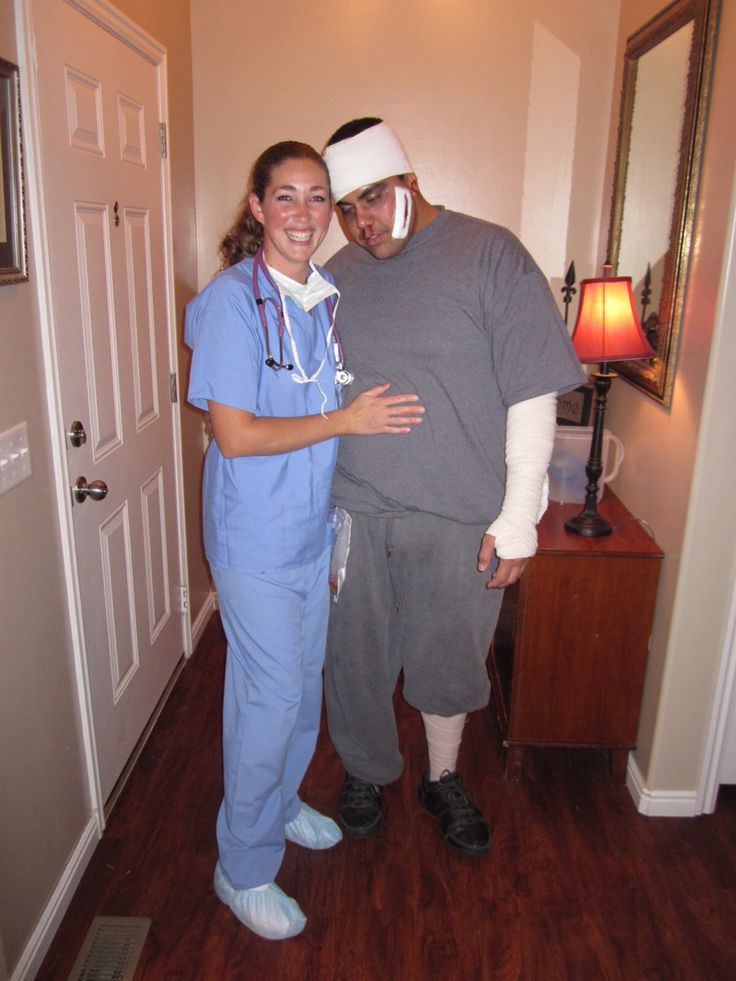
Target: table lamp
{"type": "Point", "coordinates": [607, 329]}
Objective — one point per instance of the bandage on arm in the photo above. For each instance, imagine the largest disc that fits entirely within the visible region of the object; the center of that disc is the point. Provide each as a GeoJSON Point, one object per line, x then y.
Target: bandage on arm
{"type": "Point", "coordinates": [530, 434]}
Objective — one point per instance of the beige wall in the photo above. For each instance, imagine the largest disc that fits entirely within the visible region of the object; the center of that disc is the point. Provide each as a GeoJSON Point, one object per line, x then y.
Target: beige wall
{"type": "Point", "coordinates": [43, 805]}
{"type": "Point", "coordinates": [501, 106]}
{"type": "Point", "coordinates": [43, 802]}
{"type": "Point", "coordinates": [661, 445]}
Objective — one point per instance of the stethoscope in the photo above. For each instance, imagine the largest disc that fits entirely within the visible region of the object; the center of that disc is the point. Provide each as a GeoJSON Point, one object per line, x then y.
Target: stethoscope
{"type": "Point", "coordinates": [342, 375]}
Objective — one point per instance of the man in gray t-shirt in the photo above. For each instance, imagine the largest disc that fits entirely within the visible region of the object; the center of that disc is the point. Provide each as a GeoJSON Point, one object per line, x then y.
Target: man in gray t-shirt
{"type": "Point", "coordinates": [454, 309]}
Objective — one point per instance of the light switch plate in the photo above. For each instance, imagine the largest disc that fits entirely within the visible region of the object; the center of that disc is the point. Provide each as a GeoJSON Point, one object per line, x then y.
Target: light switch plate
{"type": "Point", "coordinates": [15, 457]}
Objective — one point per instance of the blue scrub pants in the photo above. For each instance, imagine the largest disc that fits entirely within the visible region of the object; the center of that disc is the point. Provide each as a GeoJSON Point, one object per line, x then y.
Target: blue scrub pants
{"type": "Point", "coordinates": [276, 627]}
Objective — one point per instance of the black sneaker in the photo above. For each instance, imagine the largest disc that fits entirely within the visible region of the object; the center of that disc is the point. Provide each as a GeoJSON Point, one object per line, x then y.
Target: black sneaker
{"type": "Point", "coordinates": [461, 823]}
{"type": "Point", "coordinates": [359, 810]}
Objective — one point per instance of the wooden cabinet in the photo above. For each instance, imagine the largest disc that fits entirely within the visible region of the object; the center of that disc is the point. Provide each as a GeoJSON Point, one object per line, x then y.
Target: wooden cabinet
{"type": "Point", "coordinates": [568, 658]}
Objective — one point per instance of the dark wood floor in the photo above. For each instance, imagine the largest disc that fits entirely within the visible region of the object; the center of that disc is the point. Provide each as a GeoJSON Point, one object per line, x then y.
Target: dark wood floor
{"type": "Point", "coordinates": [577, 886]}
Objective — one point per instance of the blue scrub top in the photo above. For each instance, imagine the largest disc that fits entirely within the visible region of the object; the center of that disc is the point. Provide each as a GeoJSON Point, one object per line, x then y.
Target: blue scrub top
{"type": "Point", "coordinates": [261, 513]}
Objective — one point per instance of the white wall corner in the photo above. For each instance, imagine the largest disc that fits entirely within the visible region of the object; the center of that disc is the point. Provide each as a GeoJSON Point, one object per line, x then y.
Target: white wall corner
{"type": "Point", "coordinates": [37, 947]}
{"type": "Point", "coordinates": [660, 803]}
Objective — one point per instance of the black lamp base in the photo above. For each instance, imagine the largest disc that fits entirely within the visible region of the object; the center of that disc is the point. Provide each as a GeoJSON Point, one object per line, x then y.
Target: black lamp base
{"type": "Point", "coordinates": [588, 523]}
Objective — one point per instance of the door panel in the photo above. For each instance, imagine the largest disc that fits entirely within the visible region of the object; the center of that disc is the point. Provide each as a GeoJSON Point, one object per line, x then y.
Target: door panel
{"type": "Point", "coordinates": [103, 190]}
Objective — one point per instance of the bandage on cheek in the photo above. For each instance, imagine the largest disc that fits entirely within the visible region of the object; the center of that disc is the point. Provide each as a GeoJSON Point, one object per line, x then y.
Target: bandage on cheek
{"type": "Point", "coordinates": [402, 213]}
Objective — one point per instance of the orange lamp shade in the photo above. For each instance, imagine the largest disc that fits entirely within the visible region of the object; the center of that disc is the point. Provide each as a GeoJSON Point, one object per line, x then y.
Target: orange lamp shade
{"type": "Point", "coordinates": [607, 328]}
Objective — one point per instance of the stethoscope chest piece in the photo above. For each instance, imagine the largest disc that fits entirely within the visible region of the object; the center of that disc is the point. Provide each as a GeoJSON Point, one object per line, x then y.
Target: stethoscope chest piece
{"type": "Point", "coordinates": [344, 377]}
{"type": "Point", "coordinates": [277, 365]}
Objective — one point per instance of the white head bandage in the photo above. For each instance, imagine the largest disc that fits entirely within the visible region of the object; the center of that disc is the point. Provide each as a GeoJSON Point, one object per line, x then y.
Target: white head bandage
{"type": "Point", "coordinates": [364, 159]}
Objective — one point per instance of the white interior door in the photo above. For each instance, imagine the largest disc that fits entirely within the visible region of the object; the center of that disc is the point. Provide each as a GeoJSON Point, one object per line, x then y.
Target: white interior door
{"type": "Point", "coordinates": [99, 112]}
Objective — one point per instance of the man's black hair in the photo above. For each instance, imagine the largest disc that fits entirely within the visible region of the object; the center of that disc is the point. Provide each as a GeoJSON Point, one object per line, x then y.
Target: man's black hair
{"type": "Point", "coordinates": [352, 128]}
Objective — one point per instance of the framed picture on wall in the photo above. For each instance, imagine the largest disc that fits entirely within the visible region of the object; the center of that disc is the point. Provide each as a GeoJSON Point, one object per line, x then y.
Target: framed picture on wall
{"type": "Point", "coordinates": [13, 260]}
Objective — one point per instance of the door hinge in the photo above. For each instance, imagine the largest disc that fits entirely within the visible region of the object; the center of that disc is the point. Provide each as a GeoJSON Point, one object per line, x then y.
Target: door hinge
{"type": "Point", "coordinates": [162, 139]}
{"type": "Point", "coordinates": [173, 388]}
{"type": "Point", "coordinates": [182, 599]}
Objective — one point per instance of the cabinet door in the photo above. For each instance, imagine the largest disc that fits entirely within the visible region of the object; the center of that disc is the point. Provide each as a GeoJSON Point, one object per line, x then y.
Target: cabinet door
{"type": "Point", "coordinates": [580, 649]}
{"type": "Point", "coordinates": [501, 659]}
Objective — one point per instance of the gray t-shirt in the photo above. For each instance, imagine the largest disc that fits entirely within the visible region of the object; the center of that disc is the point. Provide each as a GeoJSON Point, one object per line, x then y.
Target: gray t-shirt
{"type": "Point", "coordinates": [462, 317]}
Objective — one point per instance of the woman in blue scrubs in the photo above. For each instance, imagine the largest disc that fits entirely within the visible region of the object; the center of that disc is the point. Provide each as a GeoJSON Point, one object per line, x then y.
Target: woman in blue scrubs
{"type": "Point", "coordinates": [264, 365]}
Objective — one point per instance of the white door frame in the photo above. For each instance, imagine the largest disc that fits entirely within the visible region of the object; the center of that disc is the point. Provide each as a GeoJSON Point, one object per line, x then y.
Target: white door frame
{"type": "Point", "coordinates": [112, 20]}
{"type": "Point", "coordinates": [721, 361]}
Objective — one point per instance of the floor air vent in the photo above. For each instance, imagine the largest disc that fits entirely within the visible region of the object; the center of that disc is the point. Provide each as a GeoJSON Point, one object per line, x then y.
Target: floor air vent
{"type": "Point", "coordinates": [111, 949]}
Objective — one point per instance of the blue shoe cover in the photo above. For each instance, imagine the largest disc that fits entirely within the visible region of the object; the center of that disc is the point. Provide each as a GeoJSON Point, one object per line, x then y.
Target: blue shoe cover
{"type": "Point", "coordinates": [268, 912]}
{"type": "Point", "coordinates": [312, 829]}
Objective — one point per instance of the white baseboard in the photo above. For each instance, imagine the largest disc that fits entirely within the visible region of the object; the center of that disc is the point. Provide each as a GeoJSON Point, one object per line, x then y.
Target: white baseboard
{"type": "Point", "coordinates": [208, 608]}
{"type": "Point", "coordinates": [659, 803]}
{"type": "Point", "coordinates": [37, 947]}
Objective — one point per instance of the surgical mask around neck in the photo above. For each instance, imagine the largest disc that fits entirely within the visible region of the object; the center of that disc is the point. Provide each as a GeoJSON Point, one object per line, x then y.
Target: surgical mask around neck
{"type": "Point", "coordinates": [305, 295]}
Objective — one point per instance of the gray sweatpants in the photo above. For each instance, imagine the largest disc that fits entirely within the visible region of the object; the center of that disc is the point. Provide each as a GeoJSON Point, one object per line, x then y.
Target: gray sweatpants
{"type": "Point", "coordinates": [412, 600]}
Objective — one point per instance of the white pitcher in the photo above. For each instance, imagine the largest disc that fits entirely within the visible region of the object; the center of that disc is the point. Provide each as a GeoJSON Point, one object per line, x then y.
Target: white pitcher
{"type": "Point", "coordinates": [567, 478]}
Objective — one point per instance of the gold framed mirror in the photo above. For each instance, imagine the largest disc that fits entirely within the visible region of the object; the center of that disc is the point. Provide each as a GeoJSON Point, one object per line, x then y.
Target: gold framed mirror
{"type": "Point", "coordinates": [667, 70]}
{"type": "Point", "coordinates": [13, 259]}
